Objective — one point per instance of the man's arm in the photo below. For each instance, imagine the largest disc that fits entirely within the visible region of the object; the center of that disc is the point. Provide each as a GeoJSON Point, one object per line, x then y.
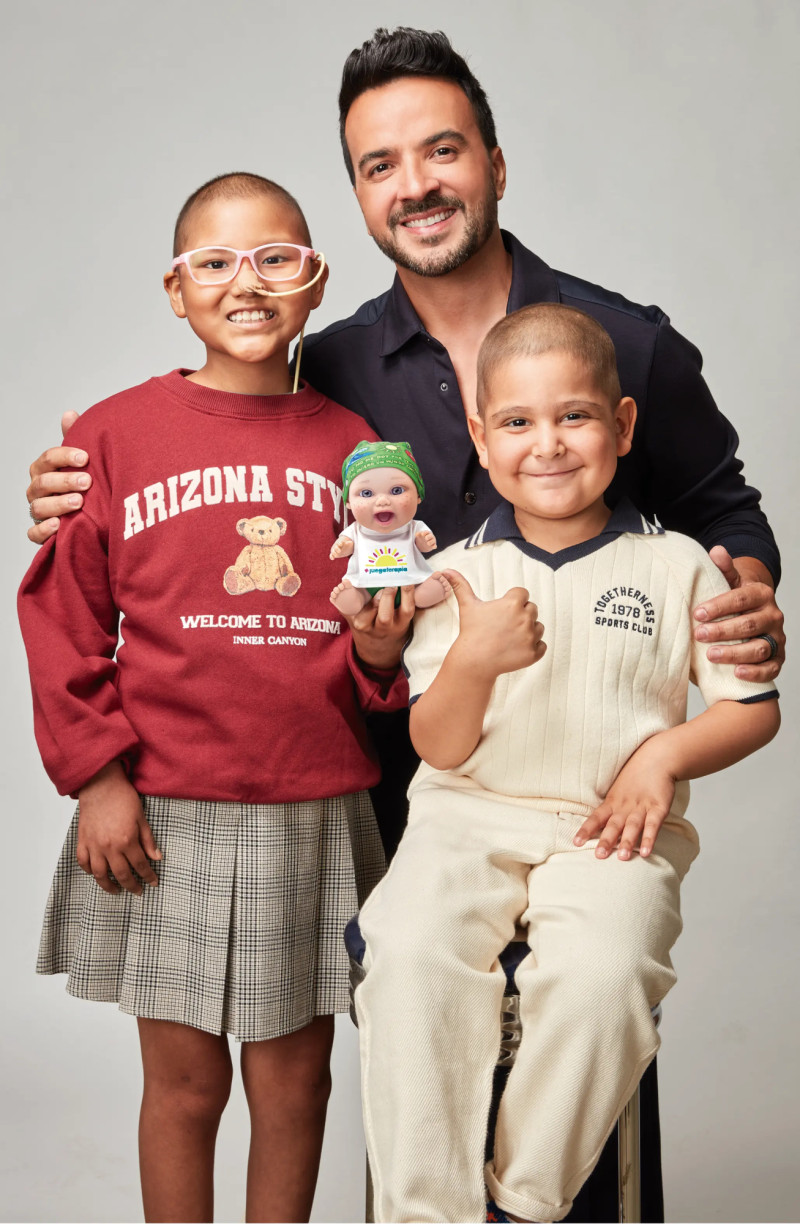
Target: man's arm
{"type": "Point", "coordinates": [697, 487]}
{"type": "Point", "coordinates": [639, 801]}
{"type": "Point", "coordinates": [53, 492]}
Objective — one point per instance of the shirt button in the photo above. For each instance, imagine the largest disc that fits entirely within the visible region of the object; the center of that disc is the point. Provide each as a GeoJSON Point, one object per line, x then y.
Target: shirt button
{"type": "Point", "coordinates": [443, 386]}
{"type": "Point", "coordinates": [470, 499]}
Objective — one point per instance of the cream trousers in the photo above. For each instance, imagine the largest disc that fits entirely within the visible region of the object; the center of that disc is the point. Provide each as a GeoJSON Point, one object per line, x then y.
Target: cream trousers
{"type": "Point", "coordinates": [470, 868]}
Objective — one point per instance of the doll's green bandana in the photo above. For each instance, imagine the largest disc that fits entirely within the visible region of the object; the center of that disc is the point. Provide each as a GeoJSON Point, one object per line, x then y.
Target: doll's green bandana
{"type": "Point", "coordinates": [369, 455]}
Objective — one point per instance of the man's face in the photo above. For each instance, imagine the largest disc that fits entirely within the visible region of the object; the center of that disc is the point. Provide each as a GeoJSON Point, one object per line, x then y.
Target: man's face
{"type": "Point", "coordinates": [427, 186]}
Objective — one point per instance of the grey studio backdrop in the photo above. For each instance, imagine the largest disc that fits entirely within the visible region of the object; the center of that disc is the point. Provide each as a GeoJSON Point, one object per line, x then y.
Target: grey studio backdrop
{"type": "Point", "coordinates": [651, 148]}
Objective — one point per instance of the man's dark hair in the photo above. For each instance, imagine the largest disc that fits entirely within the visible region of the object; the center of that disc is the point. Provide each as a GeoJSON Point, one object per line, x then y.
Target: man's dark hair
{"type": "Point", "coordinates": [406, 52]}
{"type": "Point", "coordinates": [237, 185]}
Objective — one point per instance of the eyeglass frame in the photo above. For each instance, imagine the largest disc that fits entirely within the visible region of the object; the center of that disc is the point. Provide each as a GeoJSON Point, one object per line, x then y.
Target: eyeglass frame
{"type": "Point", "coordinates": [307, 253]}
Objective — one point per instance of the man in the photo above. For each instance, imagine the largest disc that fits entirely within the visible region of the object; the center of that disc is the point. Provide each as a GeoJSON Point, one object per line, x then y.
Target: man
{"type": "Point", "coordinates": [420, 146]}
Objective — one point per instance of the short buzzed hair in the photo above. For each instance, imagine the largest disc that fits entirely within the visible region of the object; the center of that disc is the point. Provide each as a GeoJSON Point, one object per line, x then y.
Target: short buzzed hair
{"type": "Point", "coordinates": [239, 184]}
{"type": "Point", "coordinates": [549, 327]}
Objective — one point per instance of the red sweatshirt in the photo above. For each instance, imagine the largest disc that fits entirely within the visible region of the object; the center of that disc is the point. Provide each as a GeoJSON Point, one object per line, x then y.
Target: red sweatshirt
{"type": "Point", "coordinates": [208, 526]}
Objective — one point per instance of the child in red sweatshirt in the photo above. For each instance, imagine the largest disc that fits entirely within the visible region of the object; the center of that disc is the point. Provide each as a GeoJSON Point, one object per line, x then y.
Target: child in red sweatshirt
{"type": "Point", "coordinates": [224, 833]}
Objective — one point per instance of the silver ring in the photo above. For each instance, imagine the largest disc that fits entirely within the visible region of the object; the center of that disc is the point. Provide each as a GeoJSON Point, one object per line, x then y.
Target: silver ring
{"type": "Point", "coordinates": [33, 516]}
{"type": "Point", "coordinates": [773, 645]}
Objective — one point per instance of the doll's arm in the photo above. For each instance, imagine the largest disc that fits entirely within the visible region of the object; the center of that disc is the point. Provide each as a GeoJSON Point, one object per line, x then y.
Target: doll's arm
{"type": "Point", "coordinates": [343, 547]}
{"type": "Point", "coordinates": [424, 539]}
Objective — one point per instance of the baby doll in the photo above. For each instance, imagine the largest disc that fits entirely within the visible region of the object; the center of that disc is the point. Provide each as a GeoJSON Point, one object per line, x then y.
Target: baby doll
{"type": "Point", "coordinates": [382, 488]}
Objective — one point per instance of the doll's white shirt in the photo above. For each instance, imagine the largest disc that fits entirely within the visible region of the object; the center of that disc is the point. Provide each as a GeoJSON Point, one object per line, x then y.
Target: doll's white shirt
{"type": "Point", "coordinates": [382, 558]}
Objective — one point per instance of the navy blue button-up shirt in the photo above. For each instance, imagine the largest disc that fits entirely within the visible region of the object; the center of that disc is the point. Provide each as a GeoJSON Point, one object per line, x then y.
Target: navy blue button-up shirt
{"type": "Point", "coordinates": [682, 469]}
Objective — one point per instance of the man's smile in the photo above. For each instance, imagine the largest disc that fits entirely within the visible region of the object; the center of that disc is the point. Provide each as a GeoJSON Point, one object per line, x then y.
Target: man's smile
{"type": "Point", "coordinates": [426, 215]}
{"type": "Point", "coordinates": [428, 220]}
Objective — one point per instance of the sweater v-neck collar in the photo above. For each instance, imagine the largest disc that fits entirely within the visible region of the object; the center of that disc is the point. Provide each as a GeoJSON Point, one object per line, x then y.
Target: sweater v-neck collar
{"type": "Point", "coordinates": [501, 525]}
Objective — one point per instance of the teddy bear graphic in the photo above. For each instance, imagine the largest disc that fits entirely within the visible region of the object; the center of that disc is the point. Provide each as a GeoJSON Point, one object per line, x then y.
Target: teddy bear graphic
{"type": "Point", "coordinates": [262, 565]}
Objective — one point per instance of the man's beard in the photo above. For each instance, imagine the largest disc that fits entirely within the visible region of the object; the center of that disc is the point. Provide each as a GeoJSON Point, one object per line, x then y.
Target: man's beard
{"type": "Point", "coordinates": [477, 231]}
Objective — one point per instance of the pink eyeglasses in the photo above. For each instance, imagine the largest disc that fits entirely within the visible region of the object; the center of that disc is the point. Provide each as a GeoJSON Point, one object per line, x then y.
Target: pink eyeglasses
{"type": "Point", "coordinates": [276, 261]}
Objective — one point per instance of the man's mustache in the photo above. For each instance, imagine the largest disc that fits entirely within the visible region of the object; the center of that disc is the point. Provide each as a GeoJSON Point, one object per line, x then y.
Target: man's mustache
{"type": "Point", "coordinates": [414, 208]}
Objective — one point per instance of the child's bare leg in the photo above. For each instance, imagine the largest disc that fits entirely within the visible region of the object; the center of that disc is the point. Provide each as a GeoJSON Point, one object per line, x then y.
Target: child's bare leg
{"type": "Point", "coordinates": [430, 592]}
{"type": "Point", "coordinates": [287, 1081]}
{"type": "Point", "coordinates": [349, 599]}
{"type": "Point", "coordinates": [187, 1080]}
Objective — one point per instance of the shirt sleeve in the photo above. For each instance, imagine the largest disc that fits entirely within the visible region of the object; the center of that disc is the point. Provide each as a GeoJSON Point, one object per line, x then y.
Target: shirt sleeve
{"type": "Point", "coordinates": [694, 475]}
{"type": "Point", "coordinates": [379, 690]}
{"type": "Point", "coordinates": [717, 681]}
{"type": "Point", "coordinates": [69, 622]}
{"type": "Point", "coordinates": [433, 632]}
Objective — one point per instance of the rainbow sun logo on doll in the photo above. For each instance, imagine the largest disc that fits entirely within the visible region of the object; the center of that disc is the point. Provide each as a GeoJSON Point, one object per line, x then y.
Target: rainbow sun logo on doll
{"type": "Point", "coordinates": [382, 488]}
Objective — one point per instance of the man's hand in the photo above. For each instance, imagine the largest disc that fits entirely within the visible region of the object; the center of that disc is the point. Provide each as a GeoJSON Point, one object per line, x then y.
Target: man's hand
{"type": "Point", "coordinates": [52, 492]}
{"type": "Point", "coordinates": [380, 629]}
{"type": "Point", "coordinates": [751, 605]}
{"type": "Point", "coordinates": [113, 835]}
{"type": "Point", "coordinates": [496, 635]}
{"type": "Point", "coordinates": [634, 809]}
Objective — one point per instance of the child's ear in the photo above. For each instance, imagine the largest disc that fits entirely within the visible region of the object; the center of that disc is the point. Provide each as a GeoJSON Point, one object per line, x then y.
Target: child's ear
{"type": "Point", "coordinates": [318, 290]}
{"type": "Point", "coordinates": [624, 421]}
{"type": "Point", "coordinates": [478, 434]}
{"type": "Point", "coordinates": [172, 284]}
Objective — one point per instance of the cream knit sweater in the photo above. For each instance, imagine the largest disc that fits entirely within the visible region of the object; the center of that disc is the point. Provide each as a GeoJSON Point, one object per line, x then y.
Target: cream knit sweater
{"type": "Point", "coordinates": [617, 612]}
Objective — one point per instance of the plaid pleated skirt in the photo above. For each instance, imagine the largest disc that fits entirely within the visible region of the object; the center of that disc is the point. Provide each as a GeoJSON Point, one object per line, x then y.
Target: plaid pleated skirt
{"type": "Point", "coordinates": [243, 934]}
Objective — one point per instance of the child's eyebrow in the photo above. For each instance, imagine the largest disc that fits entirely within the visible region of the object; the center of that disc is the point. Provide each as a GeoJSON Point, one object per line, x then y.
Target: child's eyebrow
{"type": "Point", "coordinates": [526, 409]}
{"type": "Point", "coordinates": [450, 134]}
{"type": "Point", "coordinates": [580, 404]}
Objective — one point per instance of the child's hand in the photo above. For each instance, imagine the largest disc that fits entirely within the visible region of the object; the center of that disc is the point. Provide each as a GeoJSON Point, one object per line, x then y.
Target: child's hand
{"type": "Point", "coordinates": [380, 629]}
{"type": "Point", "coordinates": [425, 540]}
{"type": "Point", "coordinates": [113, 835]}
{"type": "Point", "coordinates": [635, 807]}
{"type": "Point", "coordinates": [342, 548]}
{"type": "Point", "coordinates": [497, 635]}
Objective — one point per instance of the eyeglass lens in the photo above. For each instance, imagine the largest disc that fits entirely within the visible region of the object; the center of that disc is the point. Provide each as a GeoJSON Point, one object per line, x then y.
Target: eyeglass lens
{"type": "Point", "coordinates": [215, 265]}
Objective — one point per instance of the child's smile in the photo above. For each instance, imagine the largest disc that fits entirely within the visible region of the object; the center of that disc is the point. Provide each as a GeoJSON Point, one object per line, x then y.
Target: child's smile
{"type": "Point", "coordinates": [250, 319]}
{"type": "Point", "coordinates": [549, 439]}
{"type": "Point", "coordinates": [247, 335]}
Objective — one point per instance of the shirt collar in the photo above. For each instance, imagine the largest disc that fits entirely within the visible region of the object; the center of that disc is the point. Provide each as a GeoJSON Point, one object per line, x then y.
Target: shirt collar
{"type": "Point", "coordinates": [501, 525]}
{"type": "Point", "coordinates": [531, 281]}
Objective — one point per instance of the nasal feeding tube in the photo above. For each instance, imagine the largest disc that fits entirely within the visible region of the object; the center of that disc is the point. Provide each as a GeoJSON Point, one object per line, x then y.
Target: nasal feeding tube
{"type": "Point", "coordinates": [287, 293]}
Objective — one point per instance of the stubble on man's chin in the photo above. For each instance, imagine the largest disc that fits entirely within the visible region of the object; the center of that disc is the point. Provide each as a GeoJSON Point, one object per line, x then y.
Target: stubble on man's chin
{"type": "Point", "coordinates": [477, 232]}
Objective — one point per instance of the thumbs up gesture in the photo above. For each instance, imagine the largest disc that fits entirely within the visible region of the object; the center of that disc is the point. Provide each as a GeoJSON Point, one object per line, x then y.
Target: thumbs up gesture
{"type": "Point", "coordinates": [494, 636]}
{"type": "Point", "coordinates": [497, 635]}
